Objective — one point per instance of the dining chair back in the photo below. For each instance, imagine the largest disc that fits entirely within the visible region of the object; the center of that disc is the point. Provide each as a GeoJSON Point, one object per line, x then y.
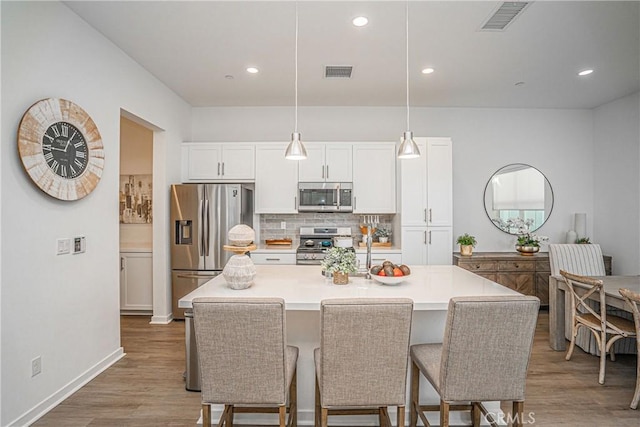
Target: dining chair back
{"type": "Point", "coordinates": [363, 356]}
{"type": "Point", "coordinates": [633, 300]}
{"type": "Point", "coordinates": [243, 357]}
{"type": "Point", "coordinates": [605, 328]}
{"type": "Point", "coordinates": [484, 356]}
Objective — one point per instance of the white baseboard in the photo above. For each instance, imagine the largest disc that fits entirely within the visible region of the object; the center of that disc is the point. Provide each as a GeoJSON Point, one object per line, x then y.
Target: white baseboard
{"type": "Point", "coordinates": [56, 398]}
{"type": "Point", "coordinates": [161, 320]}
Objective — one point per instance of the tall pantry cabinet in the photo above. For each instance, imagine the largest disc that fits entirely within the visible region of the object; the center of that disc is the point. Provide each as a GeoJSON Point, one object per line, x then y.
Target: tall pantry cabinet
{"type": "Point", "coordinates": [427, 203]}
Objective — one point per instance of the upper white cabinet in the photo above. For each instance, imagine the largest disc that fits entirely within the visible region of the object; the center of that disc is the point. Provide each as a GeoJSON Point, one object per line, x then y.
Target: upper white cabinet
{"type": "Point", "coordinates": [217, 162]}
{"type": "Point", "coordinates": [374, 178]}
{"type": "Point", "coordinates": [427, 185]}
{"type": "Point", "coordinates": [276, 180]}
{"type": "Point", "coordinates": [326, 163]}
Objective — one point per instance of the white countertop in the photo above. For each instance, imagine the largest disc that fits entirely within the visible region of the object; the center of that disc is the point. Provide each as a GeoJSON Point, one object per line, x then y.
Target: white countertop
{"type": "Point", "coordinates": [303, 287]}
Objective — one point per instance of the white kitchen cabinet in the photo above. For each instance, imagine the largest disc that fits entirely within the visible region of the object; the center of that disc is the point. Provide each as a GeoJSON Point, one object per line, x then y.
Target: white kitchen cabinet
{"type": "Point", "coordinates": [427, 245]}
{"type": "Point", "coordinates": [208, 161]}
{"type": "Point", "coordinates": [136, 283]}
{"type": "Point", "coordinates": [326, 163]}
{"type": "Point", "coordinates": [374, 178]}
{"type": "Point", "coordinates": [272, 256]}
{"type": "Point", "coordinates": [276, 180]}
{"type": "Point", "coordinates": [427, 184]}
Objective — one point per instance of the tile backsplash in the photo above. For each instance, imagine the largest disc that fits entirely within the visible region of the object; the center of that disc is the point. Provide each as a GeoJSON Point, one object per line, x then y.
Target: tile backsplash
{"type": "Point", "coordinates": [270, 224]}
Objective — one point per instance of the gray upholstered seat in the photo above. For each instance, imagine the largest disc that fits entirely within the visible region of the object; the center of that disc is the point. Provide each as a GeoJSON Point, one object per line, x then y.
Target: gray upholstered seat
{"type": "Point", "coordinates": [584, 260]}
{"type": "Point", "coordinates": [361, 365]}
{"type": "Point", "coordinates": [633, 299]}
{"type": "Point", "coordinates": [484, 356]}
{"type": "Point", "coordinates": [606, 328]}
{"type": "Point", "coordinates": [243, 357]}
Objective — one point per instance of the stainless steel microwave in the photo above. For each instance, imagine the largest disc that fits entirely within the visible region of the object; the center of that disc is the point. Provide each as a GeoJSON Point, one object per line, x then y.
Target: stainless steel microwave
{"type": "Point", "coordinates": [325, 197]}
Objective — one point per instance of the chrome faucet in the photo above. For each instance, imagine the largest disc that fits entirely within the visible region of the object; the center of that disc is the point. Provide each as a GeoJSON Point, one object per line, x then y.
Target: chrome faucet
{"type": "Point", "coordinates": [371, 221]}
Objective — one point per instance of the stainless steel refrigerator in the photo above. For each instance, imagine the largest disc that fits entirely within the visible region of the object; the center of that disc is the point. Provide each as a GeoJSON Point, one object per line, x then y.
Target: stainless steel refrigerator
{"type": "Point", "coordinates": [201, 216]}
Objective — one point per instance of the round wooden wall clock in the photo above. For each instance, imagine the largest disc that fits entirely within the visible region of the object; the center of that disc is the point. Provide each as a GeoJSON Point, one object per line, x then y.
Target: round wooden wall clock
{"type": "Point", "coordinates": [61, 148]}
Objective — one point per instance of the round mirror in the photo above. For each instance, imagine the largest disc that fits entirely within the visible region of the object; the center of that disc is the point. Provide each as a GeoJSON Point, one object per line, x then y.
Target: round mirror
{"type": "Point", "coordinates": [518, 198]}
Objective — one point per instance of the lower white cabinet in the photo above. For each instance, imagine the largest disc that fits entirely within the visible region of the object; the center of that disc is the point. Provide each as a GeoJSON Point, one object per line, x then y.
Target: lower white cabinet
{"type": "Point", "coordinates": [136, 284]}
{"type": "Point", "coordinates": [427, 245]}
{"type": "Point", "coordinates": [283, 258]}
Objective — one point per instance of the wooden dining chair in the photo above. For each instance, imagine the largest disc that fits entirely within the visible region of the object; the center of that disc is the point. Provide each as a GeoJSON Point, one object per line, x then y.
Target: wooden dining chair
{"type": "Point", "coordinates": [633, 300]}
{"type": "Point", "coordinates": [244, 359]}
{"type": "Point", "coordinates": [361, 365]}
{"type": "Point", "coordinates": [484, 357]}
{"type": "Point", "coordinates": [606, 328]}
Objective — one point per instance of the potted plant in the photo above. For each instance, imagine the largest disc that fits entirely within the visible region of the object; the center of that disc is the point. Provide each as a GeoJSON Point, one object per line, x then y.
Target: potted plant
{"type": "Point", "coordinates": [467, 243]}
{"type": "Point", "coordinates": [340, 262]}
{"type": "Point", "coordinates": [383, 234]}
{"type": "Point", "coordinates": [583, 240]}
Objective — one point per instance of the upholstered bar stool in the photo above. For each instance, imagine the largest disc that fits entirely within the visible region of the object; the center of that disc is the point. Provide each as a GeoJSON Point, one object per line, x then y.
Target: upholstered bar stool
{"type": "Point", "coordinates": [606, 328]}
{"type": "Point", "coordinates": [633, 299]}
{"type": "Point", "coordinates": [484, 357]}
{"type": "Point", "coordinates": [244, 359]}
{"type": "Point", "coordinates": [361, 365]}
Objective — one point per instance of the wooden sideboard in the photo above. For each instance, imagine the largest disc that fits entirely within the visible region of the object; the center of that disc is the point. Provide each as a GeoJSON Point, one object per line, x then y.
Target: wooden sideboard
{"type": "Point", "coordinates": [528, 275]}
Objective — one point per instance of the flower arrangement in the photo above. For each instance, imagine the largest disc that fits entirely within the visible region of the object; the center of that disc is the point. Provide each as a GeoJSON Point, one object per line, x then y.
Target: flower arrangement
{"type": "Point", "coordinates": [525, 238]}
{"type": "Point", "coordinates": [341, 260]}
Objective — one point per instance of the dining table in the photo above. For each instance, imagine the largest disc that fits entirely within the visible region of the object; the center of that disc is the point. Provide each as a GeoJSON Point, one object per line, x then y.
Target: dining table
{"type": "Point", "coordinates": [557, 309]}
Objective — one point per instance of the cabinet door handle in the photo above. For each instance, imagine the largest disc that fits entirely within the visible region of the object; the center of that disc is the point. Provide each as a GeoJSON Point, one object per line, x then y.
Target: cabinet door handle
{"type": "Point", "coordinates": [429, 237]}
{"type": "Point", "coordinates": [327, 171]}
{"type": "Point", "coordinates": [322, 171]}
{"type": "Point", "coordinates": [425, 214]}
{"type": "Point", "coordinates": [121, 263]}
{"type": "Point", "coordinates": [430, 216]}
{"type": "Point", "coordinates": [273, 259]}
{"type": "Point", "coordinates": [218, 168]}
{"type": "Point", "coordinates": [425, 237]}
{"type": "Point", "coordinates": [222, 168]}
{"type": "Point", "coordinates": [295, 202]}
{"type": "Point", "coordinates": [355, 204]}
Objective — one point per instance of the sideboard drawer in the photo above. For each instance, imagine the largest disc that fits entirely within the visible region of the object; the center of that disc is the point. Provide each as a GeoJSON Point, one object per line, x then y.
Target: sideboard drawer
{"type": "Point", "coordinates": [478, 266]}
{"type": "Point", "coordinates": [543, 265]}
{"type": "Point", "coordinates": [517, 265]}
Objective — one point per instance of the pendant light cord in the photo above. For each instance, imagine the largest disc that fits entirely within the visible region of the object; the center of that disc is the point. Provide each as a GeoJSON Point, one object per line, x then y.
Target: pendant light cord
{"type": "Point", "coordinates": [296, 75]}
{"type": "Point", "coordinates": [407, 35]}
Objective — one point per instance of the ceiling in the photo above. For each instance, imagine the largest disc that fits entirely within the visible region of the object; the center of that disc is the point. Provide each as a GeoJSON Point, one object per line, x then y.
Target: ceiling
{"type": "Point", "coordinates": [201, 49]}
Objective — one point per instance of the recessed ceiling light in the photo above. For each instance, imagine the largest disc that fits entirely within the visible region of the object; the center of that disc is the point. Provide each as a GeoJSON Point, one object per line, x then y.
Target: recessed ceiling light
{"type": "Point", "coordinates": [585, 72]}
{"type": "Point", "coordinates": [428, 71]}
{"type": "Point", "coordinates": [252, 70]}
{"type": "Point", "coordinates": [360, 21]}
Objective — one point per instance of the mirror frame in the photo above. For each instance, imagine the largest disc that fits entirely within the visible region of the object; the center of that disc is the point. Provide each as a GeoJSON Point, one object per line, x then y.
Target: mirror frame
{"type": "Point", "coordinates": [547, 183]}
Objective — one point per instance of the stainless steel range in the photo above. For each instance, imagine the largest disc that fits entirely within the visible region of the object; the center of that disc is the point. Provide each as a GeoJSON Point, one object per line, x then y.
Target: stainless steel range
{"type": "Point", "coordinates": [314, 242]}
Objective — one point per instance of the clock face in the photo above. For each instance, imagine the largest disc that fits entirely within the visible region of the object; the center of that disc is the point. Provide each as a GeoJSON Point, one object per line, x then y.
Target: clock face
{"type": "Point", "coordinates": [61, 149]}
{"type": "Point", "coordinates": [65, 150]}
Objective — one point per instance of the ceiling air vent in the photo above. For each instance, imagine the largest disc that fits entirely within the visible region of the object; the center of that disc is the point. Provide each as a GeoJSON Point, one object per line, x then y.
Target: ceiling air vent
{"type": "Point", "coordinates": [504, 15]}
{"type": "Point", "coordinates": [338, 71]}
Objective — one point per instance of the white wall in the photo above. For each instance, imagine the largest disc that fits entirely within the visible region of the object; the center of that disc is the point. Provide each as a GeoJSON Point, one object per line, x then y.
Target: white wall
{"type": "Point", "coordinates": [617, 182]}
{"type": "Point", "coordinates": [557, 142]}
{"type": "Point", "coordinates": [66, 308]}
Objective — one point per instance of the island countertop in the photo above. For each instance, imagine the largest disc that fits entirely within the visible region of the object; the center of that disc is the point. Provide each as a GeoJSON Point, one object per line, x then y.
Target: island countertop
{"type": "Point", "coordinates": [303, 287]}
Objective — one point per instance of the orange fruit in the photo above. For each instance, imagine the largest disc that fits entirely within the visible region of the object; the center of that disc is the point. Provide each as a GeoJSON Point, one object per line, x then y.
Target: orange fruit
{"type": "Point", "coordinates": [381, 273]}
{"type": "Point", "coordinates": [397, 272]}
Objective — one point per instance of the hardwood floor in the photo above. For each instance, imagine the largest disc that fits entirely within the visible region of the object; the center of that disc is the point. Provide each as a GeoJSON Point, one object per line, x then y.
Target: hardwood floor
{"type": "Point", "coordinates": [146, 388]}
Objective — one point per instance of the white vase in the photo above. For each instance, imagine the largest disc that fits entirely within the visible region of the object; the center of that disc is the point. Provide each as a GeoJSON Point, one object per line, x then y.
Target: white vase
{"type": "Point", "coordinates": [572, 236]}
{"type": "Point", "coordinates": [239, 272]}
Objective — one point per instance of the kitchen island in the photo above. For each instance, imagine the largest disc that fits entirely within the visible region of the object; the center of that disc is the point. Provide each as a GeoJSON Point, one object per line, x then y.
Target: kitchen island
{"type": "Point", "coordinates": [303, 287]}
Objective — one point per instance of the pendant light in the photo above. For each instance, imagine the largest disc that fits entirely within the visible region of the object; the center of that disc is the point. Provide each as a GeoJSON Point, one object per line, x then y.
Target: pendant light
{"type": "Point", "coordinates": [408, 148]}
{"type": "Point", "coordinates": [295, 149]}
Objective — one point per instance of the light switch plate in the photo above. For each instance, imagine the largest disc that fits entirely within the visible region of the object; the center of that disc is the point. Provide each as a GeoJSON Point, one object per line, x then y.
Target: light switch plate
{"type": "Point", "coordinates": [63, 246]}
{"type": "Point", "coordinates": [79, 245]}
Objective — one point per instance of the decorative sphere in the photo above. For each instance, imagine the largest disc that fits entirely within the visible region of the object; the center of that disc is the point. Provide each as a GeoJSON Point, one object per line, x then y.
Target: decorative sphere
{"type": "Point", "coordinates": [241, 235]}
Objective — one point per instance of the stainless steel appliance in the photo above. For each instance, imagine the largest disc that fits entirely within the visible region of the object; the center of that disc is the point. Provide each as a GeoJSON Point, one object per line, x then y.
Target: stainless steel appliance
{"type": "Point", "coordinates": [325, 197]}
{"type": "Point", "coordinates": [314, 242]}
{"type": "Point", "coordinates": [201, 216]}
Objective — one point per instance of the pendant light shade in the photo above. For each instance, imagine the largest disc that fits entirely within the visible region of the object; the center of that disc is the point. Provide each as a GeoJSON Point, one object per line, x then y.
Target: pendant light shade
{"type": "Point", "coordinates": [295, 149]}
{"type": "Point", "coordinates": [408, 148]}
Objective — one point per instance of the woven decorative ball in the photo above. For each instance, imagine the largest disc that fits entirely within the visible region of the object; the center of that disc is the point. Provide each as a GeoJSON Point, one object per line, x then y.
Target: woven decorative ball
{"type": "Point", "coordinates": [241, 235]}
{"type": "Point", "coordinates": [239, 272]}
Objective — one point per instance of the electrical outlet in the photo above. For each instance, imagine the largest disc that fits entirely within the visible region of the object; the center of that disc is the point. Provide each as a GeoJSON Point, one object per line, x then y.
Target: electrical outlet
{"type": "Point", "coordinates": [79, 245]}
{"type": "Point", "coordinates": [283, 225]}
{"type": "Point", "coordinates": [36, 366]}
{"type": "Point", "coordinates": [63, 246]}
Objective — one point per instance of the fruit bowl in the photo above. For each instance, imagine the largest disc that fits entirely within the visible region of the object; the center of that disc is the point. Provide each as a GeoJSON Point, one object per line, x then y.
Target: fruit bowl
{"type": "Point", "coordinates": [389, 280]}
